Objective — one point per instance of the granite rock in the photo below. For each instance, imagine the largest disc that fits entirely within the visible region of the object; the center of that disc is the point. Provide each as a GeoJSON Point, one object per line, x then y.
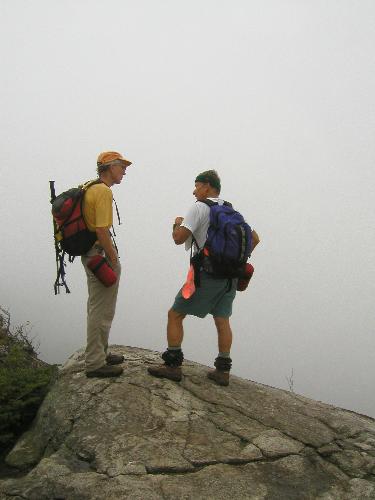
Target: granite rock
{"type": "Point", "coordinates": [140, 437]}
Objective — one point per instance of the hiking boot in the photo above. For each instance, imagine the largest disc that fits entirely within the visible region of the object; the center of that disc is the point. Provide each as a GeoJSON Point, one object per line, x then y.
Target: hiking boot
{"type": "Point", "coordinates": [105, 371]}
{"type": "Point", "coordinates": [114, 359]}
{"type": "Point", "coordinates": [220, 377]}
{"type": "Point", "coordinates": [164, 371]}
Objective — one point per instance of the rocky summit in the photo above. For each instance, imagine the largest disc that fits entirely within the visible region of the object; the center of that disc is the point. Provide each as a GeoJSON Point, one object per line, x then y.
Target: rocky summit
{"type": "Point", "coordinates": [139, 437]}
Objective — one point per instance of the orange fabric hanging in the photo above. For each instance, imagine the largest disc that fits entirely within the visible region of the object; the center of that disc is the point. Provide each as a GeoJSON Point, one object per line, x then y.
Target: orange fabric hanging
{"type": "Point", "coordinates": [188, 288]}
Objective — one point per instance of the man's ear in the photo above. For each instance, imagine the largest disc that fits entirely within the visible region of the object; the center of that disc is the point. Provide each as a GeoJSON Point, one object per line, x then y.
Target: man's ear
{"type": "Point", "coordinates": [207, 187]}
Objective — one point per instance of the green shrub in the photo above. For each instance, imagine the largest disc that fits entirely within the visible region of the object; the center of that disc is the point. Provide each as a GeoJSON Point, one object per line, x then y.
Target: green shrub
{"type": "Point", "coordinates": [24, 381]}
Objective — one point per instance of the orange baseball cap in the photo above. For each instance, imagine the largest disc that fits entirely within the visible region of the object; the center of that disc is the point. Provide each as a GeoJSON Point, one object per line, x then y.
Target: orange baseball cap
{"type": "Point", "coordinates": [109, 156]}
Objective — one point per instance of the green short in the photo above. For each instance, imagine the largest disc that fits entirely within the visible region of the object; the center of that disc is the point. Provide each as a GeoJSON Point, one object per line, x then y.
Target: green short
{"type": "Point", "coordinates": [214, 296]}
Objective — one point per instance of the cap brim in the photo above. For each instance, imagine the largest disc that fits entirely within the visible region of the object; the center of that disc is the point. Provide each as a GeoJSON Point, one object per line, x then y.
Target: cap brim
{"type": "Point", "coordinates": [126, 162]}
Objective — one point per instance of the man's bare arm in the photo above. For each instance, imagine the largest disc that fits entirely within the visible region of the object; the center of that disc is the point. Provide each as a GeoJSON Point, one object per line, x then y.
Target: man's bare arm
{"type": "Point", "coordinates": [180, 234]}
{"type": "Point", "coordinates": [254, 239]}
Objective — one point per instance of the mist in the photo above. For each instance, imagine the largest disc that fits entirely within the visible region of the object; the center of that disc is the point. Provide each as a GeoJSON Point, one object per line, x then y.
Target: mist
{"type": "Point", "coordinates": [278, 97]}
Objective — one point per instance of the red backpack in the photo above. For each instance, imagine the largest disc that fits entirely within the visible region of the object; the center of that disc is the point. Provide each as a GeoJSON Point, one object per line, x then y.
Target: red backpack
{"type": "Point", "coordinates": [71, 234]}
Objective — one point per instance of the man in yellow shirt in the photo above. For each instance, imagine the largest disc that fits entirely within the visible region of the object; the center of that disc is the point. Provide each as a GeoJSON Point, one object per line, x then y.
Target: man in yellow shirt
{"type": "Point", "coordinates": [101, 304]}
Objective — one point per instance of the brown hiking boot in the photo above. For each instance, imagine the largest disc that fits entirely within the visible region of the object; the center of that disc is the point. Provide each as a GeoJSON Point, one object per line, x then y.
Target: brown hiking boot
{"type": "Point", "coordinates": [164, 371]}
{"type": "Point", "coordinates": [114, 359]}
{"type": "Point", "coordinates": [220, 377]}
{"type": "Point", "coordinates": [105, 371]}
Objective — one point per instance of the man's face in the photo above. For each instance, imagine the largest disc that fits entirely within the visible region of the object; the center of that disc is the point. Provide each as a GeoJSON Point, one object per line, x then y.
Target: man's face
{"type": "Point", "coordinates": [118, 171]}
{"type": "Point", "coordinates": [201, 190]}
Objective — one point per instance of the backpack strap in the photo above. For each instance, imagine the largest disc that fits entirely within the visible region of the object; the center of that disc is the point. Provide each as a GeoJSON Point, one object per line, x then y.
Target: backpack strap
{"type": "Point", "coordinates": [208, 202]}
{"type": "Point", "coordinates": [117, 212]}
{"type": "Point", "coordinates": [88, 184]}
{"type": "Point", "coordinates": [196, 262]}
{"type": "Point", "coordinates": [211, 203]}
{"type": "Point", "coordinates": [112, 233]}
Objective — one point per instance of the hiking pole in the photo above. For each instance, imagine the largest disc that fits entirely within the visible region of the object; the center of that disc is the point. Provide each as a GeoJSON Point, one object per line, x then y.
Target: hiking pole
{"type": "Point", "coordinates": [52, 189]}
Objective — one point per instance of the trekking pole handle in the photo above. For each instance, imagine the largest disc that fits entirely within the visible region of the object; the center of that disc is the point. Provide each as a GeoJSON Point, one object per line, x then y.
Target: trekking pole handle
{"type": "Point", "coordinates": [52, 188]}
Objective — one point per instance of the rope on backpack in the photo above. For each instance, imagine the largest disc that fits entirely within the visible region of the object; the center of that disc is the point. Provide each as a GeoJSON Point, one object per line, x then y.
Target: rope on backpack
{"type": "Point", "coordinates": [60, 263]}
{"type": "Point", "coordinates": [60, 279]}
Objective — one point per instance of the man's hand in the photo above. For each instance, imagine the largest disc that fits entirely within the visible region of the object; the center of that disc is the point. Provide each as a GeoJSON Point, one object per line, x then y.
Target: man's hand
{"type": "Point", "coordinates": [113, 258]}
{"type": "Point", "coordinates": [178, 221]}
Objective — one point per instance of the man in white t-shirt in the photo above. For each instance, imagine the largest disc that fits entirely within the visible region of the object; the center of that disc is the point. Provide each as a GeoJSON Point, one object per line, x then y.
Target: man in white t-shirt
{"type": "Point", "coordinates": [214, 295]}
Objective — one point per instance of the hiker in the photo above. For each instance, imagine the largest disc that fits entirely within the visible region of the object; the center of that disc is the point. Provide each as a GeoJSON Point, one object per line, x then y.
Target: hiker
{"type": "Point", "coordinates": [101, 303]}
{"type": "Point", "coordinates": [214, 295]}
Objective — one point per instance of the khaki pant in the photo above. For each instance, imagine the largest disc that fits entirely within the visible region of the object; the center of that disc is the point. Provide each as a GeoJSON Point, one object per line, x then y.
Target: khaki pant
{"type": "Point", "coordinates": [101, 307]}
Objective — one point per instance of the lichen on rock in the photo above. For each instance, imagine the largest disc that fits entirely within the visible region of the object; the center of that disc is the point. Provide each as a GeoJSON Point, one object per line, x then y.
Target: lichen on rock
{"type": "Point", "coordinates": [142, 437]}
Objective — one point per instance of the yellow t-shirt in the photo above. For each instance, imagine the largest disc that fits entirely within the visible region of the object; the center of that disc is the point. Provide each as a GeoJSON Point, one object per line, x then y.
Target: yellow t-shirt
{"type": "Point", "coordinates": [97, 206]}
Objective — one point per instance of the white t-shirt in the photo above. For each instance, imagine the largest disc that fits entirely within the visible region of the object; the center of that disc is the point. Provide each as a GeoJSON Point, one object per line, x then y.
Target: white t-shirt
{"type": "Point", "coordinates": [197, 220]}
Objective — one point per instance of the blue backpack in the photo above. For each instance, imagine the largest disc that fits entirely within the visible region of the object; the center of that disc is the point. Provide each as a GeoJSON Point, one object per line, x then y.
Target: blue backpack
{"type": "Point", "coordinates": [228, 243]}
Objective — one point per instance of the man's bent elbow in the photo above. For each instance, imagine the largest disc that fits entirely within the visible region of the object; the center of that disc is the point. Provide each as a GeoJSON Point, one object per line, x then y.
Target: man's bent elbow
{"type": "Point", "coordinates": [254, 239]}
{"type": "Point", "coordinates": [178, 241]}
{"type": "Point", "coordinates": [180, 235]}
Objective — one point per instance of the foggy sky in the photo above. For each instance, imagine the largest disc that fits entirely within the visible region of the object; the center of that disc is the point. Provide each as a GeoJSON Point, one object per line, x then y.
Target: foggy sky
{"type": "Point", "coordinates": [278, 96]}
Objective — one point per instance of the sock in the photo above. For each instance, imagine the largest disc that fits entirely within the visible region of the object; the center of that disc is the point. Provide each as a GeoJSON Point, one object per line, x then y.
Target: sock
{"type": "Point", "coordinates": [223, 362]}
{"type": "Point", "coordinates": [173, 356]}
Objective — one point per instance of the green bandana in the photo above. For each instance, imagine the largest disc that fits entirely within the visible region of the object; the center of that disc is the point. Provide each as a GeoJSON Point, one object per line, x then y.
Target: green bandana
{"type": "Point", "coordinates": [212, 181]}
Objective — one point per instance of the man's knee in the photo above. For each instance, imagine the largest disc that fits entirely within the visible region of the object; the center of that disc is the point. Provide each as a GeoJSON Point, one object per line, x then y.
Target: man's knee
{"type": "Point", "coordinates": [175, 316]}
